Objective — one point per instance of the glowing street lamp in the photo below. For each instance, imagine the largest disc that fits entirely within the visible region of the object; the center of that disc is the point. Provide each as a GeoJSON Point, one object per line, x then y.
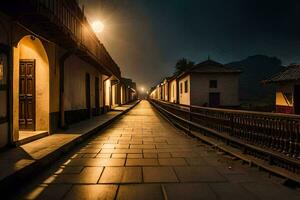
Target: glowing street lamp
{"type": "Point", "coordinates": [98, 26]}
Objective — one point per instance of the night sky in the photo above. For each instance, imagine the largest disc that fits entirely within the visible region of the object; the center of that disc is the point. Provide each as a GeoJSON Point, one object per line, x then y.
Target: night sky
{"type": "Point", "coordinates": [147, 37]}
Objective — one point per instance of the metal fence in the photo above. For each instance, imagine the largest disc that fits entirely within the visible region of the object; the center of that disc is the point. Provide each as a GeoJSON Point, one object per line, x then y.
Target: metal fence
{"type": "Point", "coordinates": [268, 136]}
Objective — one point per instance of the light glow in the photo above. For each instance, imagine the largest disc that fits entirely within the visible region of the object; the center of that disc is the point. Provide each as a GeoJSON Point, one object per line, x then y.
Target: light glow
{"type": "Point", "coordinates": [98, 26]}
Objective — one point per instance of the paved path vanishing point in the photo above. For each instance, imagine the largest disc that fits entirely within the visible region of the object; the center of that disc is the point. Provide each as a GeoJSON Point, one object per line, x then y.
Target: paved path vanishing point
{"type": "Point", "coordinates": [141, 156]}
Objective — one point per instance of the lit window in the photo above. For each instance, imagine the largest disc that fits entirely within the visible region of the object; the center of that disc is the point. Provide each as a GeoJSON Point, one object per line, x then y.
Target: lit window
{"type": "Point", "coordinates": [213, 84]}
{"type": "Point", "coordinates": [186, 86]}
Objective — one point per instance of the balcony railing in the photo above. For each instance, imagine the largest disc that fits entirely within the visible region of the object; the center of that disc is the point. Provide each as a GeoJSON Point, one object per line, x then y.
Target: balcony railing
{"type": "Point", "coordinates": [68, 20]}
{"type": "Point", "coordinates": [68, 14]}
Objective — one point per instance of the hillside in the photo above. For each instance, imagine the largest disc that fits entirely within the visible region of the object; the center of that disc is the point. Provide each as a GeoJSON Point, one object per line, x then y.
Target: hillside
{"type": "Point", "coordinates": [255, 69]}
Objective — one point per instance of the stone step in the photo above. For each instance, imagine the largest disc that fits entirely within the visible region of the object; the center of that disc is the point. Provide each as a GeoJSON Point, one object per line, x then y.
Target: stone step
{"type": "Point", "coordinates": [32, 137]}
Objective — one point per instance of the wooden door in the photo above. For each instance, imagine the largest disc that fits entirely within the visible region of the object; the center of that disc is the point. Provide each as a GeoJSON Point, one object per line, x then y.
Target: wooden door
{"type": "Point", "coordinates": [27, 95]}
{"type": "Point", "coordinates": [88, 94]}
{"type": "Point", "coordinates": [214, 99]}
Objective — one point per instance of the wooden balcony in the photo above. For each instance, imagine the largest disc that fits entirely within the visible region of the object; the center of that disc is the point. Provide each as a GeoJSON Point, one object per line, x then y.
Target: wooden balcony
{"type": "Point", "coordinates": [63, 22]}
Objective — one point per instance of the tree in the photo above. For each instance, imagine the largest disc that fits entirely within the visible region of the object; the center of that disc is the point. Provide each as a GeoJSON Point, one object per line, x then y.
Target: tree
{"type": "Point", "coordinates": [183, 64]}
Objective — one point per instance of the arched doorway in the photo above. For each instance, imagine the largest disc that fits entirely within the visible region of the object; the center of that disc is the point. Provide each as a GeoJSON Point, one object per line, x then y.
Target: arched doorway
{"type": "Point", "coordinates": [30, 88]}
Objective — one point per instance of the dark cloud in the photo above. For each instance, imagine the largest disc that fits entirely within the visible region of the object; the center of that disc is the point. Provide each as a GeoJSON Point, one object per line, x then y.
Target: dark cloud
{"type": "Point", "coordinates": [146, 37]}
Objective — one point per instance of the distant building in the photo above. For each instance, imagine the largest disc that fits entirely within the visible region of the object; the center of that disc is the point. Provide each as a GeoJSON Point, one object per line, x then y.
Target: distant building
{"type": "Point", "coordinates": [209, 84]}
{"type": "Point", "coordinates": [288, 89]}
{"type": "Point", "coordinates": [206, 84]}
{"type": "Point", "coordinates": [173, 89]}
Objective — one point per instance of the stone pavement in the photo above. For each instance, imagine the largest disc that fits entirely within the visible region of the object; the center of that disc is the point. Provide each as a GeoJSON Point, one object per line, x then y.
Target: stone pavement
{"type": "Point", "coordinates": [20, 162]}
{"type": "Point", "coordinates": [143, 157]}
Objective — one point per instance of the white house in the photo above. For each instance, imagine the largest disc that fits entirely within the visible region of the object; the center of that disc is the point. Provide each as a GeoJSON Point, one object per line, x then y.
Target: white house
{"type": "Point", "coordinates": [209, 84]}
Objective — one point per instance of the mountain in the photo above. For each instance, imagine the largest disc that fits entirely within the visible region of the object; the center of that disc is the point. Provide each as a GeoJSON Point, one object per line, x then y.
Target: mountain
{"type": "Point", "coordinates": [255, 69]}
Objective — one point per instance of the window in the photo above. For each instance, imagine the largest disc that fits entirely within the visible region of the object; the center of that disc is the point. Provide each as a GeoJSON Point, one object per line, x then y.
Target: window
{"type": "Point", "coordinates": [186, 86]}
{"type": "Point", "coordinates": [213, 84]}
{"type": "Point", "coordinates": [180, 88]}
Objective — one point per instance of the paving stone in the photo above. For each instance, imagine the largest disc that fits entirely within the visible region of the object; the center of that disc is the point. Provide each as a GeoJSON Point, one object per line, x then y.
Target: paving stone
{"type": "Point", "coordinates": [103, 155]}
{"type": "Point", "coordinates": [231, 191]}
{"type": "Point", "coordinates": [131, 142]}
{"type": "Point", "coordinates": [140, 192]}
{"type": "Point", "coordinates": [271, 191]}
{"type": "Point", "coordinates": [141, 162]}
{"type": "Point", "coordinates": [48, 192]}
{"type": "Point", "coordinates": [94, 162]}
{"type": "Point", "coordinates": [69, 170]}
{"type": "Point", "coordinates": [142, 146]}
{"type": "Point", "coordinates": [88, 175]}
{"type": "Point", "coordinates": [184, 155]}
{"type": "Point", "coordinates": [121, 151]}
{"type": "Point", "coordinates": [164, 155]}
{"type": "Point", "coordinates": [108, 146]}
{"type": "Point", "coordinates": [159, 174]}
{"type": "Point", "coordinates": [118, 155]}
{"type": "Point", "coordinates": [196, 161]}
{"type": "Point", "coordinates": [189, 191]}
{"type": "Point", "coordinates": [135, 155]}
{"type": "Point", "coordinates": [89, 155]}
{"type": "Point", "coordinates": [195, 170]}
{"type": "Point", "coordinates": [80, 192]}
{"type": "Point", "coordinates": [90, 150]}
{"type": "Point", "coordinates": [198, 174]}
{"type": "Point", "coordinates": [150, 155]}
{"type": "Point", "coordinates": [121, 175]}
{"type": "Point", "coordinates": [172, 161]}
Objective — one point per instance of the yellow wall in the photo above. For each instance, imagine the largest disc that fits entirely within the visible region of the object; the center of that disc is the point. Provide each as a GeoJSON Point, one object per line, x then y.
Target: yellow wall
{"type": "Point", "coordinates": [107, 87]}
{"type": "Point", "coordinates": [172, 91]}
{"type": "Point", "coordinates": [113, 94]}
{"type": "Point", "coordinates": [184, 98]}
{"type": "Point", "coordinates": [75, 83]}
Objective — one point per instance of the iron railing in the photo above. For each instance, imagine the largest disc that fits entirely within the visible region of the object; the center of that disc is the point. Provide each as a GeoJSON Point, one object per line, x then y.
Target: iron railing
{"type": "Point", "coordinates": [270, 136]}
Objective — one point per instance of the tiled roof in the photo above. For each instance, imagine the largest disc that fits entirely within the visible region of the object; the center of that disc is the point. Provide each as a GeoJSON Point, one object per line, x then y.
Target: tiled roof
{"type": "Point", "coordinates": [291, 73]}
{"type": "Point", "coordinates": [210, 66]}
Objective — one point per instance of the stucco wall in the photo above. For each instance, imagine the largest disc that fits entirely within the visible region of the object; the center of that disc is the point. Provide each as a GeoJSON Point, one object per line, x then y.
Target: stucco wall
{"type": "Point", "coordinates": [114, 95]}
{"type": "Point", "coordinates": [4, 39]}
{"type": "Point", "coordinates": [184, 97]}
{"type": "Point", "coordinates": [166, 91]}
{"type": "Point", "coordinates": [75, 83]}
{"type": "Point", "coordinates": [228, 87]}
{"type": "Point", "coordinates": [107, 86]}
{"type": "Point", "coordinates": [172, 91]}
